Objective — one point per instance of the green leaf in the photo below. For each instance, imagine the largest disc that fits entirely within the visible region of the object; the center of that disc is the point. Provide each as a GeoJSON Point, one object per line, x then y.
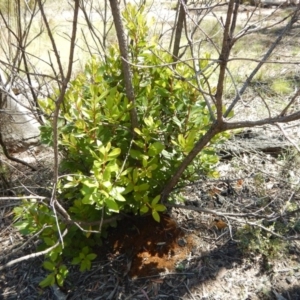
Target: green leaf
{"type": "Point", "coordinates": [116, 193]}
{"type": "Point", "coordinates": [127, 171]}
{"type": "Point", "coordinates": [80, 124]}
{"type": "Point", "coordinates": [21, 225]}
{"type": "Point", "coordinates": [112, 205]}
{"type": "Point", "coordinates": [144, 209]}
{"type": "Point", "coordinates": [149, 121]}
{"type": "Point", "coordinates": [136, 130]}
{"type": "Point", "coordinates": [89, 198]}
{"type": "Point", "coordinates": [155, 215]}
{"type": "Point", "coordinates": [48, 281]}
{"type": "Point", "coordinates": [176, 121]}
{"type": "Point", "coordinates": [85, 265]}
{"type": "Point", "coordinates": [49, 265]}
{"type": "Point", "coordinates": [145, 162]}
{"type": "Point", "coordinates": [91, 256]}
{"type": "Point", "coordinates": [59, 279]}
{"type": "Point", "coordinates": [231, 114]}
{"type": "Point", "coordinates": [53, 255]}
{"type": "Point", "coordinates": [89, 183]}
{"type": "Point", "coordinates": [155, 200]}
{"type": "Point", "coordinates": [106, 176]}
{"type": "Point", "coordinates": [135, 175]}
{"type": "Point", "coordinates": [48, 241]}
{"type": "Point", "coordinates": [141, 187]}
{"type": "Point", "coordinates": [181, 140]}
{"type": "Point", "coordinates": [128, 188]}
{"type": "Point", "coordinates": [159, 207]}
{"type": "Point", "coordinates": [135, 154]}
{"type": "Point", "coordinates": [155, 148]}
{"type": "Point", "coordinates": [76, 260]}
{"type": "Point", "coordinates": [114, 153]}
{"type": "Point", "coordinates": [112, 166]}
{"type": "Point", "coordinates": [152, 167]}
{"type": "Point", "coordinates": [63, 270]}
{"type": "Point", "coordinates": [85, 250]}
{"type": "Point", "coordinates": [70, 184]}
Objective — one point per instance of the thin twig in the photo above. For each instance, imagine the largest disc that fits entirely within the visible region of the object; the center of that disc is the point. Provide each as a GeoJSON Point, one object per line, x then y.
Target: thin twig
{"type": "Point", "coordinates": [287, 28]}
{"type": "Point", "coordinates": [24, 244]}
{"type": "Point", "coordinates": [33, 255]}
{"type": "Point", "coordinates": [8, 156]}
{"type": "Point", "coordinates": [287, 137]}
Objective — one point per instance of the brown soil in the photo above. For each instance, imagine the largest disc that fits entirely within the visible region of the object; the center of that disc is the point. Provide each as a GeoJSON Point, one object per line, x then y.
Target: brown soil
{"type": "Point", "coordinates": [151, 248]}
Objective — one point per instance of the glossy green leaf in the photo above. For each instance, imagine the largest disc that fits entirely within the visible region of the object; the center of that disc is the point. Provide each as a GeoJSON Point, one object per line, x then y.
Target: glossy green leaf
{"type": "Point", "coordinates": [71, 184]}
{"type": "Point", "coordinates": [181, 140]}
{"type": "Point", "coordinates": [155, 200]}
{"type": "Point", "coordinates": [49, 265]}
{"type": "Point", "coordinates": [144, 209]}
{"type": "Point", "coordinates": [60, 279]}
{"type": "Point", "coordinates": [149, 121]}
{"type": "Point", "coordinates": [48, 281]}
{"type": "Point", "coordinates": [142, 187]}
{"type": "Point", "coordinates": [135, 154]}
{"type": "Point", "coordinates": [155, 215]}
{"type": "Point", "coordinates": [155, 148]}
{"type": "Point", "coordinates": [159, 207]}
{"type": "Point", "coordinates": [90, 183]}
{"type": "Point", "coordinates": [116, 193]}
{"type": "Point", "coordinates": [135, 175]}
{"type": "Point", "coordinates": [144, 161]}
{"type": "Point", "coordinates": [114, 153]}
{"type": "Point", "coordinates": [112, 205]}
{"type": "Point", "coordinates": [136, 130]}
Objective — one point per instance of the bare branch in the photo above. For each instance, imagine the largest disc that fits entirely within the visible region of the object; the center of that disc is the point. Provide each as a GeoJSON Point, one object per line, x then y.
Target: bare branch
{"type": "Point", "coordinates": [261, 63]}
{"type": "Point", "coordinates": [179, 28]}
{"type": "Point", "coordinates": [215, 128]}
{"type": "Point", "coordinates": [125, 66]}
{"type": "Point", "coordinates": [226, 47]}
{"type": "Point", "coordinates": [33, 255]}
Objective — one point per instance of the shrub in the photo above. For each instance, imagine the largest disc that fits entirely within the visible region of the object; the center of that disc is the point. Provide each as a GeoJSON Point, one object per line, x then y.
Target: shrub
{"type": "Point", "coordinates": [107, 169]}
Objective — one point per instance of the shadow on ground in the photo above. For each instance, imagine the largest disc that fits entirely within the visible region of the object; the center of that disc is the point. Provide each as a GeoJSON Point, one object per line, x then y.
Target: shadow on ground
{"type": "Point", "coordinates": [143, 259]}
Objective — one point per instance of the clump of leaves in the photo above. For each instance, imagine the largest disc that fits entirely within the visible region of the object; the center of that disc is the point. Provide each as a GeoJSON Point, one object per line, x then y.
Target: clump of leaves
{"type": "Point", "coordinates": [110, 169]}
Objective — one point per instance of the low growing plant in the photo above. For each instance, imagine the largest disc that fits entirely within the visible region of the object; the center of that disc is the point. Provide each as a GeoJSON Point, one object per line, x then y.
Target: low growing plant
{"type": "Point", "coordinates": [258, 241]}
{"type": "Point", "coordinates": [107, 168]}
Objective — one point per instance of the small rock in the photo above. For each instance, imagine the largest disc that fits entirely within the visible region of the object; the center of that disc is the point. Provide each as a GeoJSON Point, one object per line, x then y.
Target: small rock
{"type": "Point", "coordinates": [290, 280]}
{"type": "Point", "coordinates": [181, 242]}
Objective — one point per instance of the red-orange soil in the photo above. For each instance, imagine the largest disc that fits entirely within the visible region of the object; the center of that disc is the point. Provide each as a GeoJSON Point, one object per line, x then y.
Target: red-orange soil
{"type": "Point", "coordinates": [150, 247]}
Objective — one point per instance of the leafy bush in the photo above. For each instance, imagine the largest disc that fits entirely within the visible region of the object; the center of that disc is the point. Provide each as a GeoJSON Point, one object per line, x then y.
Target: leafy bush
{"type": "Point", "coordinates": [106, 168]}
